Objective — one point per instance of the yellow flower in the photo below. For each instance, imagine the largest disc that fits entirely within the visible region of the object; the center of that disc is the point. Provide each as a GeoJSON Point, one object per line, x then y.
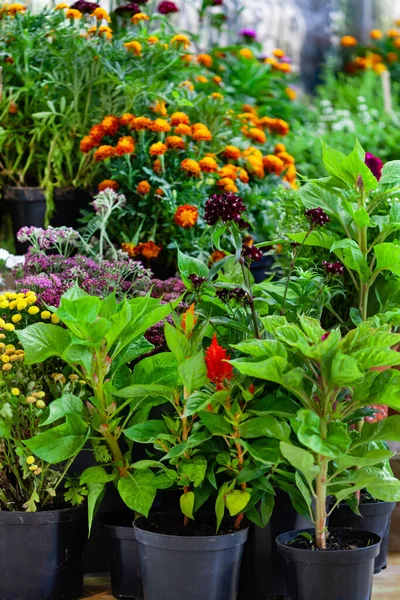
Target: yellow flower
{"type": "Point", "coordinates": [15, 392]}
{"type": "Point", "coordinates": [135, 47]}
{"type": "Point", "coordinates": [348, 41]}
{"type": "Point", "coordinates": [33, 310]}
{"type": "Point", "coordinates": [22, 304]}
{"type": "Point", "coordinates": [4, 304]}
{"type": "Point", "coordinates": [30, 460]}
{"type": "Point", "coordinates": [160, 125]}
{"type": "Point", "coordinates": [73, 13]}
{"type": "Point", "coordinates": [40, 404]}
{"type": "Point", "coordinates": [100, 14]}
{"type": "Point", "coordinates": [9, 327]}
{"type": "Point", "coordinates": [153, 39]}
{"type": "Point", "coordinates": [106, 31]}
{"type": "Point", "coordinates": [73, 377]}
{"type": "Point", "coordinates": [55, 319]}
{"type": "Point", "coordinates": [6, 367]}
{"type": "Point", "coordinates": [187, 84]}
{"type": "Point", "coordinates": [37, 471]}
{"type": "Point", "coordinates": [10, 295]}
{"type": "Point", "coordinates": [33, 467]}
{"type": "Point", "coordinates": [181, 40]}
{"type": "Point", "coordinates": [160, 108]}
{"type": "Point", "coordinates": [139, 17]}
{"type": "Point", "coordinates": [291, 93]}
{"type": "Point", "coordinates": [178, 118]}
{"type": "Point", "coordinates": [158, 149]}
{"type": "Point", "coordinates": [31, 399]}
{"type": "Point", "coordinates": [13, 9]}
{"type": "Point", "coordinates": [16, 318]}
{"type": "Point", "coordinates": [246, 53]}
{"type": "Point", "coordinates": [217, 96]}
{"type": "Point", "coordinates": [379, 68]}
{"type": "Point", "coordinates": [2, 322]}
{"type": "Point", "coordinates": [61, 6]}
{"type": "Point", "coordinates": [376, 34]}
{"type": "Point", "coordinates": [393, 33]}
{"type": "Point", "coordinates": [59, 377]}
{"type": "Point", "coordinates": [201, 79]}
{"type": "Point", "coordinates": [5, 358]}
{"type": "Point", "coordinates": [45, 314]}
{"type": "Point", "coordinates": [40, 394]}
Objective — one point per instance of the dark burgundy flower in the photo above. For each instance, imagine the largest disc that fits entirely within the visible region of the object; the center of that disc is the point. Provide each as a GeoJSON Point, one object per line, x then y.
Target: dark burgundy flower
{"type": "Point", "coordinates": [85, 7]}
{"type": "Point", "coordinates": [251, 254]}
{"type": "Point", "coordinates": [374, 164]}
{"type": "Point", "coordinates": [197, 281]}
{"type": "Point", "coordinates": [317, 216]}
{"type": "Point", "coordinates": [237, 294]}
{"type": "Point", "coordinates": [333, 268]}
{"type": "Point", "coordinates": [227, 207]}
{"type": "Point", "coordinates": [217, 2]}
{"type": "Point", "coordinates": [166, 7]}
{"type": "Point", "coordinates": [128, 9]}
{"type": "Point", "coordinates": [248, 33]}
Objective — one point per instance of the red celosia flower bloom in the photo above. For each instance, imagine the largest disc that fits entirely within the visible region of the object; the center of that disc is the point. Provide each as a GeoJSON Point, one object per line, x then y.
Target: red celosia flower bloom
{"type": "Point", "coordinates": [218, 370]}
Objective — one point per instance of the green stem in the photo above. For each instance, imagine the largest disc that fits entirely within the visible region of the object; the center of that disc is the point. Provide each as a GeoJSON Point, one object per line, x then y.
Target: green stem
{"type": "Point", "coordinates": [321, 489]}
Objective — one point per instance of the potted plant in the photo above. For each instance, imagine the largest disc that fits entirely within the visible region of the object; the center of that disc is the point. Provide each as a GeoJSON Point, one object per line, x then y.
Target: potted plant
{"type": "Point", "coordinates": [333, 378]}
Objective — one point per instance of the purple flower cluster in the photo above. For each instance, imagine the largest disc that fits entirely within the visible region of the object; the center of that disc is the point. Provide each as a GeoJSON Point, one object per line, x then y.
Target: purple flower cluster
{"type": "Point", "coordinates": [248, 33]}
{"type": "Point", "coordinates": [333, 268]}
{"type": "Point", "coordinates": [85, 7]}
{"type": "Point", "coordinates": [44, 239]}
{"type": "Point", "coordinates": [128, 9]}
{"type": "Point", "coordinates": [236, 294]}
{"type": "Point", "coordinates": [168, 289]}
{"type": "Point", "coordinates": [317, 216]}
{"type": "Point", "coordinates": [225, 207]}
{"type": "Point", "coordinates": [197, 281]}
{"type": "Point", "coordinates": [251, 254]}
{"type": "Point", "coordinates": [166, 7]}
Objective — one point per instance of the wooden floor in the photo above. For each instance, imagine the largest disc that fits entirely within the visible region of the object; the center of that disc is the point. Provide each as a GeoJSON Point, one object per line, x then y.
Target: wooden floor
{"type": "Point", "coordinates": [386, 584]}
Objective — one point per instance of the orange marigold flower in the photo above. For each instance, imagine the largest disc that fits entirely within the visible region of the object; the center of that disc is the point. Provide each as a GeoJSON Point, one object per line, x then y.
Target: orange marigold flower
{"type": "Point", "coordinates": [140, 123]}
{"type": "Point", "coordinates": [255, 166]}
{"type": "Point", "coordinates": [104, 152]}
{"type": "Point", "coordinates": [61, 6]}
{"type": "Point", "coordinates": [216, 256]}
{"type": "Point", "coordinates": [279, 148]}
{"type": "Point", "coordinates": [291, 93]}
{"type": "Point", "coordinates": [232, 152]}
{"type": "Point", "coordinates": [188, 84]}
{"type": "Point", "coordinates": [157, 167]}
{"type": "Point", "coordinates": [219, 371]}
{"type": "Point", "coordinates": [287, 158]}
{"type": "Point", "coordinates": [125, 145]}
{"type": "Point", "coordinates": [249, 109]}
{"type": "Point", "coordinates": [283, 67]}
{"type": "Point", "coordinates": [100, 14]}
{"type": "Point", "coordinates": [160, 125]}
{"type": "Point", "coordinates": [208, 164]}
{"type": "Point", "coordinates": [254, 152]}
{"type": "Point", "coordinates": [379, 68]}
{"type": "Point", "coordinates": [201, 133]}
{"type": "Point", "coordinates": [376, 34]}
{"type": "Point", "coordinates": [108, 184]}
{"type": "Point", "coordinates": [397, 42]}
{"type": "Point", "coordinates": [348, 41]}
{"type": "Point", "coordinates": [159, 192]}
{"type": "Point", "coordinates": [72, 13]}
{"type": "Point", "coordinates": [217, 96]}
{"type": "Point", "coordinates": [217, 79]}
{"type": "Point", "coordinates": [143, 187]}
{"type": "Point", "coordinates": [158, 149]}
{"type": "Point", "coordinates": [392, 57]}
{"type": "Point", "coordinates": [127, 119]}
{"type": "Point", "coordinates": [183, 129]}
{"type": "Point", "coordinates": [278, 53]}
{"type": "Point", "coordinates": [191, 166]}
{"type": "Point", "coordinates": [392, 33]}
{"type": "Point", "coordinates": [153, 39]}
{"type": "Point", "coordinates": [201, 79]}
{"type": "Point", "coordinates": [256, 134]}
{"type": "Point", "coordinates": [228, 171]}
{"type": "Point", "coordinates": [96, 134]}
{"type": "Point", "coordinates": [110, 125]}
{"type": "Point", "coordinates": [244, 176]}
{"type": "Point", "coordinates": [181, 40]}
{"type": "Point", "coordinates": [186, 216]}
{"type": "Point", "coordinates": [135, 47]}
{"type": "Point", "coordinates": [273, 164]}
{"type": "Point", "coordinates": [178, 118]}
{"type": "Point", "coordinates": [205, 60]}
{"type": "Point", "coordinates": [139, 17]}
{"type": "Point", "coordinates": [86, 144]}
{"type": "Point", "coordinates": [279, 126]}
{"type": "Point", "coordinates": [160, 108]}
{"type": "Point", "coordinates": [187, 57]}
{"type": "Point", "coordinates": [246, 53]}
{"type": "Point", "coordinates": [9, 60]}
{"type": "Point", "coordinates": [149, 250]}
{"type": "Point", "coordinates": [174, 142]}
{"type": "Point", "coordinates": [290, 174]}
{"type": "Point", "coordinates": [227, 184]}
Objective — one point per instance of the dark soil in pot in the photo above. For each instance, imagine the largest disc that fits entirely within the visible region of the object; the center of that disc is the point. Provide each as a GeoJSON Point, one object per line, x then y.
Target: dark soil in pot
{"type": "Point", "coordinates": [375, 517]}
{"type": "Point", "coordinates": [42, 554]}
{"type": "Point", "coordinates": [342, 572]}
{"type": "Point", "coordinates": [179, 563]}
{"type": "Point", "coordinates": [27, 206]}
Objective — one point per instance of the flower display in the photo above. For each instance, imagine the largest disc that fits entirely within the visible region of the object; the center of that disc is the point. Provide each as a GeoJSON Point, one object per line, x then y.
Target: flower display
{"type": "Point", "coordinates": [225, 207]}
{"type": "Point", "coordinates": [218, 369]}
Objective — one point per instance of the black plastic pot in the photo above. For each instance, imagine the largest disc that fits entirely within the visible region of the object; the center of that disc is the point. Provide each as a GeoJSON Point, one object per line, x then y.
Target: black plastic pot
{"type": "Point", "coordinates": [329, 575]}
{"type": "Point", "coordinates": [27, 206]}
{"type": "Point", "coordinates": [42, 554]}
{"type": "Point", "coordinates": [181, 567]}
{"type": "Point", "coordinates": [124, 555]}
{"type": "Point", "coordinates": [262, 574]}
{"type": "Point", "coordinates": [261, 269]}
{"type": "Point", "coordinates": [375, 517]}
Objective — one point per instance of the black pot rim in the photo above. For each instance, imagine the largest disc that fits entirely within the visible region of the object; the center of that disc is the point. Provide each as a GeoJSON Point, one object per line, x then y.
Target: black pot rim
{"type": "Point", "coordinates": [43, 517]}
{"type": "Point", "coordinates": [369, 509]}
{"type": "Point", "coordinates": [194, 543]}
{"type": "Point", "coordinates": [330, 557]}
{"type": "Point", "coordinates": [121, 532]}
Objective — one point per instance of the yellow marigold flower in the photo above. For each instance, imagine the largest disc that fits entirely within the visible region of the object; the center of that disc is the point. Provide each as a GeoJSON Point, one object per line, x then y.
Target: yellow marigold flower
{"type": "Point", "coordinates": [186, 216]}
{"type": "Point", "coordinates": [135, 47]}
{"type": "Point", "coordinates": [181, 40]}
{"type": "Point", "coordinates": [125, 145]}
{"type": "Point", "coordinates": [273, 164]}
{"type": "Point", "coordinates": [392, 57]}
{"type": "Point", "coordinates": [191, 166]}
{"type": "Point", "coordinates": [15, 357]}
{"type": "Point", "coordinates": [208, 164]}
{"type": "Point", "coordinates": [205, 60]}
{"type": "Point", "coordinates": [291, 93]}
{"type": "Point", "coordinates": [33, 467]}
{"type": "Point", "coordinates": [109, 126]}
{"type": "Point", "coordinates": [42, 394]}
{"type": "Point", "coordinates": [348, 41]}
{"type": "Point", "coordinates": [217, 79]}
{"type": "Point", "coordinates": [140, 123]}
{"type": "Point", "coordinates": [40, 404]}
{"type": "Point", "coordinates": [379, 68]}
{"type": "Point", "coordinates": [255, 134]}
{"type": "Point", "coordinates": [278, 53]}
{"type": "Point", "coordinates": [397, 42]}
{"type": "Point", "coordinates": [139, 17]}
{"type": "Point", "coordinates": [271, 61]}
{"type": "Point", "coordinates": [187, 57]}
{"type": "Point", "coordinates": [9, 327]}
{"type": "Point", "coordinates": [232, 152]}
{"type": "Point", "coordinates": [104, 152]}
{"type": "Point", "coordinates": [246, 53]}
{"type": "Point", "coordinates": [143, 188]}
{"type": "Point", "coordinates": [153, 39]}
{"type": "Point", "coordinates": [45, 314]}
{"type": "Point", "coordinates": [279, 148]}
{"type": "Point", "coordinates": [287, 158]}
{"type": "Point", "coordinates": [393, 33]}
{"type": "Point", "coordinates": [16, 318]}
{"type": "Point", "coordinates": [201, 79]}
{"type": "Point", "coordinates": [158, 149]}
{"type": "Point", "coordinates": [20, 295]}
{"type": "Point", "coordinates": [21, 304]}
{"type": "Point", "coordinates": [290, 174]}
{"type": "Point", "coordinates": [13, 9]}
{"type": "Point", "coordinates": [175, 142]}
{"type": "Point", "coordinates": [161, 125]}
{"type": "Point", "coordinates": [228, 171]}
{"type": "Point", "coordinates": [107, 184]}
{"type": "Point", "coordinates": [10, 347]}
{"type": "Point", "coordinates": [183, 129]}
{"type": "Point", "coordinates": [188, 84]}
{"type": "Point", "coordinates": [127, 120]}
{"type": "Point", "coordinates": [244, 176]}
{"type": "Point", "coordinates": [55, 319]}
{"type": "Point", "coordinates": [105, 30]}
{"type": "Point", "coordinates": [33, 310]}
{"type": "Point", "coordinates": [15, 391]}
{"type": "Point", "coordinates": [255, 166]}
{"type": "Point", "coordinates": [4, 304]}
{"type": "Point", "coordinates": [30, 460]}
{"type": "Point", "coordinates": [61, 6]}
{"type": "Point", "coordinates": [5, 358]}
{"type": "Point", "coordinates": [73, 13]}
{"type": "Point", "coordinates": [10, 295]}
{"type": "Point", "coordinates": [217, 96]}
{"type": "Point", "coordinates": [376, 34]}
{"type": "Point", "coordinates": [201, 133]}
{"type": "Point", "coordinates": [31, 300]}
{"type": "Point", "coordinates": [160, 108]}
{"type": "Point", "coordinates": [101, 14]}
{"type": "Point", "coordinates": [6, 367]}
{"type": "Point", "coordinates": [227, 185]}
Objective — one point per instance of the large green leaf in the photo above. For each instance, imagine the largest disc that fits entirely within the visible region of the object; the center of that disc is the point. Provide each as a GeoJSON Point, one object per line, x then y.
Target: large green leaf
{"type": "Point", "coordinates": [267, 426]}
{"type": "Point", "coordinates": [237, 501]}
{"type": "Point", "coordinates": [41, 341]}
{"type": "Point", "coordinates": [188, 265]}
{"type": "Point", "coordinates": [160, 369]}
{"type": "Point", "coordinates": [258, 348]}
{"type": "Point", "coordinates": [193, 470]}
{"type": "Point", "coordinates": [309, 434]}
{"type": "Point", "coordinates": [193, 372]}
{"type": "Point", "coordinates": [350, 254]}
{"type": "Point", "coordinates": [217, 424]}
{"type": "Point", "coordinates": [61, 442]}
{"type": "Point", "coordinates": [57, 409]}
{"type": "Point", "coordinates": [387, 257]}
{"type": "Point", "coordinates": [146, 433]}
{"type": "Point", "coordinates": [177, 342]}
{"type": "Point", "coordinates": [277, 404]}
{"type": "Point", "coordinates": [391, 173]}
{"type": "Point", "coordinates": [300, 459]}
{"type": "Point", "coordinates": [387, 430]}
{"type": "Point", "coordinates": [344, 370]}
{"type": "Point", "coordinates": [138, 491]}
{"type": "Point", "coordinates": [265, 451]}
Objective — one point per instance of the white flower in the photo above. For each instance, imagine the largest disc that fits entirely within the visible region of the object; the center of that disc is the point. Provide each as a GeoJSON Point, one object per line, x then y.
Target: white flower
{"type": "Point", "coordinates": [4, 254]}
{"type": "Point", "coordinates": [12, 261]}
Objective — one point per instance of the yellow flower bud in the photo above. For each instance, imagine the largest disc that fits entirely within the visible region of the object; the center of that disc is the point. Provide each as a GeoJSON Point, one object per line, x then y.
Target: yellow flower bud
{"type": "Point", "coordinates": [73, 377]}
{"type": "Point", "coordinates": [4, 304]}
{"type": "Point", "coordinates": [30, 460]}
{"type": "Point", "coordinates": [21, 304]}
{"type": "Point", "coordinates": [5, 358]}
{"type": "Point", "coordinates": [15, 392]}
{"type": "Point", "coordinates": [9, 327]}
{"type": "Point", "coordinates": [6, 367]}
{"type": "Point", "coordinates": [33, 467]}
{"type": "Point", "coordinates": [82, 382]}
{"type": "Point", "coordinates": [14, 357]}
{"type": "Point", "coordinates": [45, 314]}
{"type": "Point", "coordinates": [55, 319]}
{"type": "Point", "coordinates": [12, 304]}
{"type": "Point", "coordinates": [10, 347]}
{"type": "Point", "coordinates": [16, 318]}
{"type": "Point", "coordinates": [30, 293]}
{"type": "Point", "coordinates": [2, 345]}
{"type": "Point", "coordinates": [59, 377]}
{"type": "Point", "coordinates": [40, 394]}
{"type": "Point", "coordinates": [33, 310]}
{"type": "Point", "coordinates": [31, 399]}
{"type": "Point", "coordinates": [40, 404]}
{"type": "Point", "coordinates": [2, 323]}
{"type": "Point", "coordinates": [38, 471]}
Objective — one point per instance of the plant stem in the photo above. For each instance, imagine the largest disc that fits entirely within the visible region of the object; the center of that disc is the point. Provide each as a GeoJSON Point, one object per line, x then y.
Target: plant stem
{"type": "Point", "coordinates": [291, 268]}
{"type": "Point", "coordinates": [320, 519]}
{"type": "Point", "coordinates": [251, 300]}
{"type": "Point", "coordinates": [239, 450]}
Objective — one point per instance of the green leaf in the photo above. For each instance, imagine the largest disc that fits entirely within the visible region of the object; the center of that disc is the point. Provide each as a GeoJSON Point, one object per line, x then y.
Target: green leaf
{"type": "Point", "coordinates": [376, 357]}
{"type": "Point", "coordinates": [387, 430]}
{"type": "Point", "coordinates": [193, 470]}
{"type": "Point", "coordinates": [61, 442]}
{"type": "Point", "coordinates": [131, 352]}
{"type": "Point", "coordinates": [160, 369]}
{"type": "Point", "coordinates": [57, 409]}
{"type": "Point", "coordinates": [309, 434]}
{"type": "Point", "coordinates": [304, 490]}
{"type": "Point", "coordinates": [220, 502]}
{"type": "Point", "coordinates": [41, 341]}
{"type": "Point", "coordinates": [391, 173]}
{"type": "Point", "coordinates": [354, 166]}
{"type": "Point", "coordinates": [278, 405]}
{"type": "Point", "coordinates": [197, 402]}
{"type": "Point", "coordinates": [79, 310]}
{"type": "Point", "coordinates": [270, 369]}
{"type": "Point", "coordinates": [138, 491]}
{"type": "Point", "coordinates": [193, 372]}
{"type": "Point", "coordinates": [258, 348]}
{"type": "Point", "coordinates": [146, 433]}
{"type": "Point", "coordinates": [94, 499]}
{"type": "Point", "coordinates": [265, 451]}
{"type": "Point", "coordinates": [387, 257]}
{"type": "Point", "coordinates": [188, 265]}
{"type": "Point", "coordinates": [344, 370]}
{"type": "Point", "coordinates": [300, 459]}
{"type": "Point", "coordinates": [350, 254]}
{"type": "Point", "coordinates": [217, 424]}
{"type": "Point", "coordinates": [187, 504]}
{"type": "Point", "coordinates": [369, 459]}
{"type": "Point", "coordinates": [333, 160]}
{"type": "Point", "coordinates": [319, 238]}
{"type": "Point", "coordinates": [177, 342]}
{"type": "Point", "coordinates": [267, 426]}
{"type": "Point", "coordinates": [237, 501]}
{"type": "Point", "coordinates": [311, 328]}
{"type": "Point", "coordinates": [96, 475]}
